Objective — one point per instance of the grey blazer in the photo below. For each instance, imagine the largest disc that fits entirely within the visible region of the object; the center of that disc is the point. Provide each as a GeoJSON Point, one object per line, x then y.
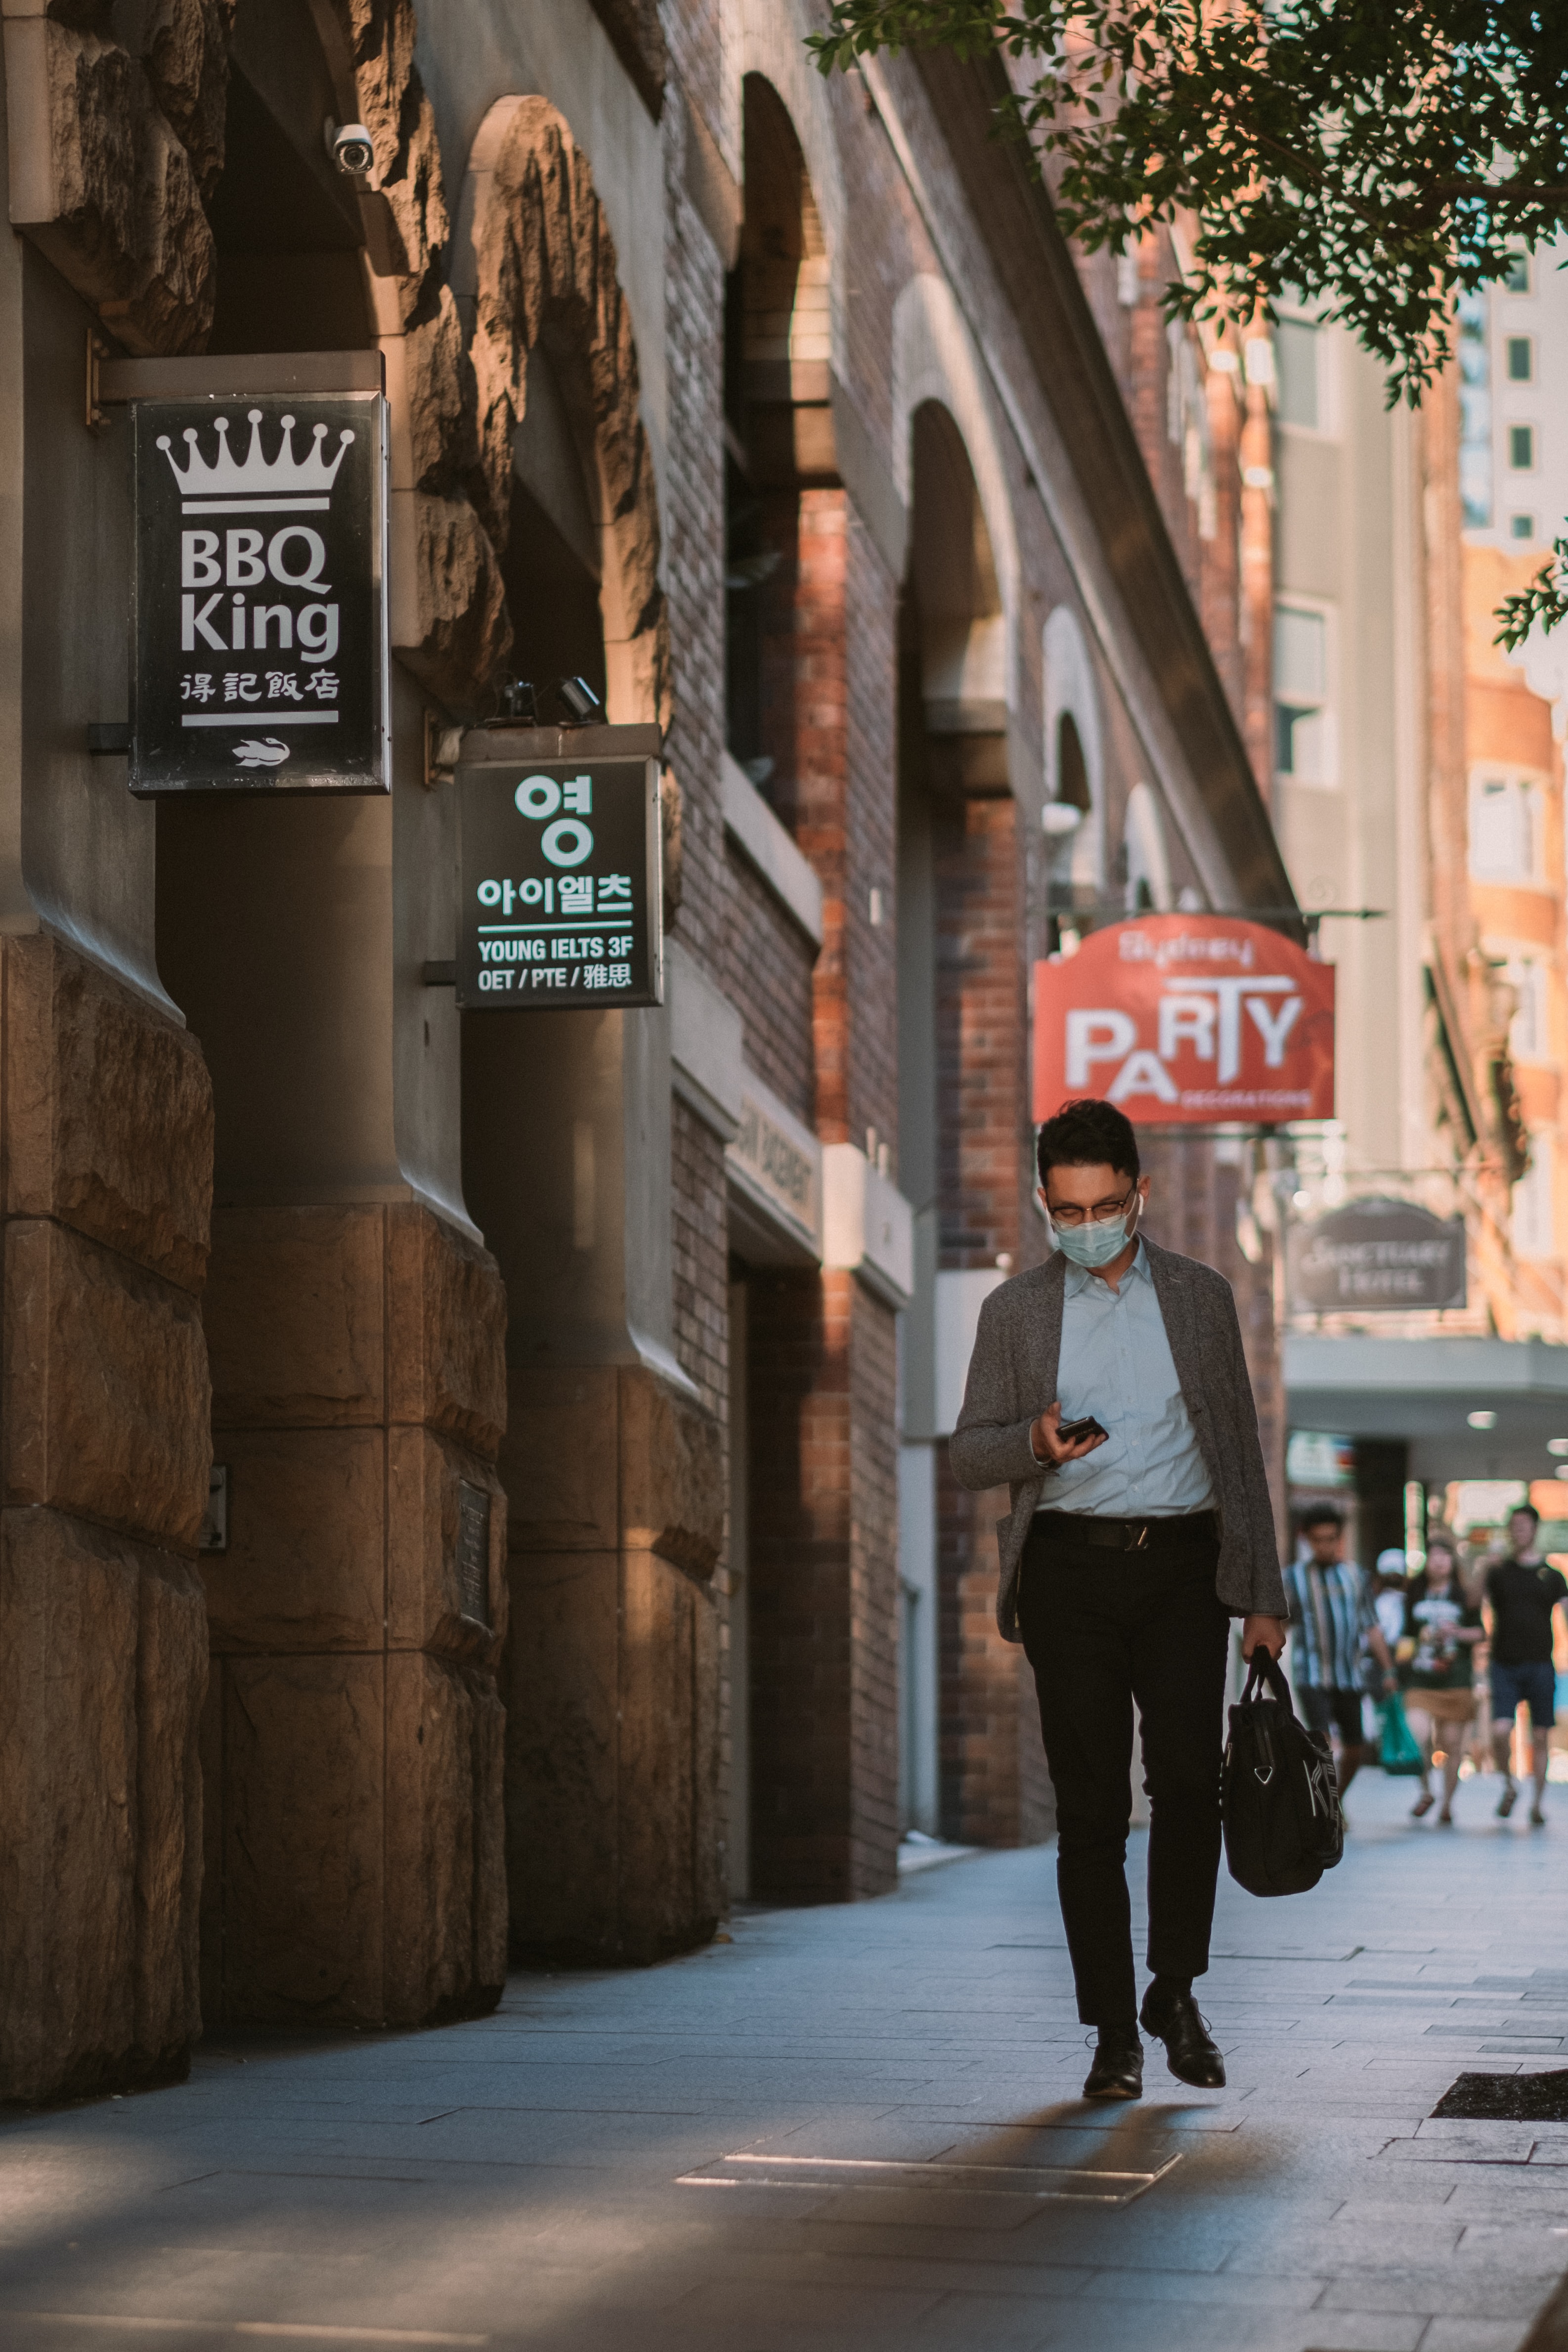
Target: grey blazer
{"type": "Point", "coordinates": [1013, 1378]}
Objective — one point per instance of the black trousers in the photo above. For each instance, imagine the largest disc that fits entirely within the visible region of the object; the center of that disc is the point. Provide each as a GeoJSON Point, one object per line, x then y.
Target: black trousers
{"type": "Point", "coordinates": [1102, 1628]}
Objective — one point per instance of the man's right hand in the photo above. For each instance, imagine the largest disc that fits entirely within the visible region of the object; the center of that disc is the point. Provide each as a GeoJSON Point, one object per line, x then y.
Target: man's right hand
{"type": "Point", "coordinates": [1046, 1446]}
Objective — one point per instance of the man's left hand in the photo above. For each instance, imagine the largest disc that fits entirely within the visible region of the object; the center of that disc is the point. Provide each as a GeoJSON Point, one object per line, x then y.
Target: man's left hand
{"type": "Point", "coordinates": [1263, 1633]}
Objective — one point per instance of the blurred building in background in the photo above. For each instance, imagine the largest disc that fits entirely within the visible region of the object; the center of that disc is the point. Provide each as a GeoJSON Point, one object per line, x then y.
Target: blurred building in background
{"type": "Point", "coordinates": [1418, 782]}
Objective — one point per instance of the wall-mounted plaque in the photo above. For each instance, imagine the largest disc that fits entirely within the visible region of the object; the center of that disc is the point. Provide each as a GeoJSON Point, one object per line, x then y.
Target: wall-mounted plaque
{"type": "Point", "coordinates": [474, 1551]}
{"type": "Point", "coordinates": [561, 894]}
{"type": "Point", "coordinates": [259, 606]}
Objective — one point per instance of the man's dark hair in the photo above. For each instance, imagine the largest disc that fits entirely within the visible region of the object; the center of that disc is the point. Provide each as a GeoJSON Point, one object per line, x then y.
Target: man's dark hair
{"type": "Point", "coordinates": [1322, 1514]}
{"type": "Point", "coordinates": [1087, 1133]}
{"type": "Point", "coordinates": [1529, 1509]}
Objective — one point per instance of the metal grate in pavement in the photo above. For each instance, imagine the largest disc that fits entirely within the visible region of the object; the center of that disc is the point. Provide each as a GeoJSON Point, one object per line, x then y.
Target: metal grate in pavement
{"type": "Point", "coordinates": [1508, 2098]}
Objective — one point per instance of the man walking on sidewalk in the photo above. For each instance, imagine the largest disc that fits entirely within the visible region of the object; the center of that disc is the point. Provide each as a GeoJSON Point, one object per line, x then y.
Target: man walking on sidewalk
{"type": "Point", "coordinates": [1523, 1591]}
{"type": "Point", "coordinates": [1127, 1550]}
{"type": "Point", "coordinates": [1332, 1614]}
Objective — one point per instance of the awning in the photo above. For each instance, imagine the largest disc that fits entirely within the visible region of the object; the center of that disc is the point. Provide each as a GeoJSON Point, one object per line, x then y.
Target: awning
{"type": "Point", "coordinates": [1425, 1390]}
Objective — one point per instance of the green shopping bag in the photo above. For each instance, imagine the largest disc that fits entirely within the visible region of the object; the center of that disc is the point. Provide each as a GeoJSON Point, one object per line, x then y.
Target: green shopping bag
{"type": "Point", "coordinates": [1399, 1753]}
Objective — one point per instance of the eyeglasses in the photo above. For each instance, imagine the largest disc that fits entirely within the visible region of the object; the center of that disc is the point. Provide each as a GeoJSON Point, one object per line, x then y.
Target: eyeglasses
{"type": "Point", "coordinates": [1102, 1212]}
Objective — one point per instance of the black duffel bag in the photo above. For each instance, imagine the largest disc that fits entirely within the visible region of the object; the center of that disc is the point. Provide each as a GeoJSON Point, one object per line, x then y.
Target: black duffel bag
{"type": "Point", "coordinates": [1278, 1796]}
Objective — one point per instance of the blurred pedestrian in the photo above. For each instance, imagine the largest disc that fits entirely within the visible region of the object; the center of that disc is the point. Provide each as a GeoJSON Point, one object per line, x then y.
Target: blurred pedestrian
{"type": "Point", "coordinates": [1435, 1657]}
{"type": "Point", "coordinates": [1388, 1586]}
{"type": "Point", "coordinates": [1522, 1593]}
{"type": "Point", "coordinates": [1331, 1614]}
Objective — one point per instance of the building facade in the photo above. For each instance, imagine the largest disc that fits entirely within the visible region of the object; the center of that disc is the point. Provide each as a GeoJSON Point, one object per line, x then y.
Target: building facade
{"type": "Point", "coordinates": [934, 568]}
{"type": "Point", "coordinates": [1419, 783]}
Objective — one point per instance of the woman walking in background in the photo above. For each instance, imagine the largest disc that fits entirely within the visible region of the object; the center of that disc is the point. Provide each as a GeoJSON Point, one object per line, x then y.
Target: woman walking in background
{"type": "Point", "coordinates": [1437, 1663]}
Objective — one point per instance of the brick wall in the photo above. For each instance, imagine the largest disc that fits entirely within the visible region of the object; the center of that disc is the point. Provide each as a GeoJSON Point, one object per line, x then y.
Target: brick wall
{"type": "Point", "coordinates": [980, 1016]}
{"type": "Point", "coordinates": [993, 1783]}
{"type": "Point", "coordinates": [993, 1788]}
{"type": "Point", "coordinates": [702, 1264]}
{"type": "Point", "coordinates": [764, 968]}
{"type": "Point", "coordinates": [1194, 1196]}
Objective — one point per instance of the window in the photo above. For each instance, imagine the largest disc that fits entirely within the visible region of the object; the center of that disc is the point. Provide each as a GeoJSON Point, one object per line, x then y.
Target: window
{"type": "Point", "coordinates": [1534, 1210]}
{"type": "Point", "coordinates": [1522, 526]}
{"type": "Point", "coordinates": [1516, 278]}
{"type": "Point", "coordinates": [1521, 447]}
{"type": "Point", "coordinates": [1529, 1036]}
{"type": "Point", "coordinates": [1521, 359]}
{"type": "Point", "coordinates": [1505, 829]}
{"type": "Point", "coordinates": [1303, 742]}
{"type": "Point", "coordinates": [1475, 413]}
{"type": "Point", "coordinates": [1295, 373]}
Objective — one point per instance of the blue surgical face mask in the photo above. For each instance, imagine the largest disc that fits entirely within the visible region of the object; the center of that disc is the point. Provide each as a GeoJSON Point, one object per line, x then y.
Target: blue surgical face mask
{"type": "Point", "coordinates": [1094, 1245]}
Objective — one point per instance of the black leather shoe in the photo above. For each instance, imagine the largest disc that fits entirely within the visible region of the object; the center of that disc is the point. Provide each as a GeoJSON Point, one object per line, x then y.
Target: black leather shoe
{"type": "Point", "coordinates": [1191, 2054]}
{"type": "Point", "coordinates": [1118, 2069]}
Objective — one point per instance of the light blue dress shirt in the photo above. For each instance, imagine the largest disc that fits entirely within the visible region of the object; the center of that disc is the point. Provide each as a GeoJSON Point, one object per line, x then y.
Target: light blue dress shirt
{"type": "Point", "coordinates": [1116, 1363]}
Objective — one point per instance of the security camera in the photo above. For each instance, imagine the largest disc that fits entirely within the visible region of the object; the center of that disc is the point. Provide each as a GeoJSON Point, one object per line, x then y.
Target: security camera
{"type": "Point", "coordinates": [349, 145]}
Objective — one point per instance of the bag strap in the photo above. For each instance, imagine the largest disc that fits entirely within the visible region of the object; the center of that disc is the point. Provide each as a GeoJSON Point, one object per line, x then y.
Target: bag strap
{"type": "Point", "coordinates": [1263, 1669]}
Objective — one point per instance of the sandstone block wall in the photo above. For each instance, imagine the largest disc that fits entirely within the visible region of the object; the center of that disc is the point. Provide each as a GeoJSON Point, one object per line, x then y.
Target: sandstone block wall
{"type": "Point", "coordinates": [105, 1177]}
{"type": "Point", "coordinates": [352, 1745]}
{"type": "Point", "coordinates": [612, 1682]}
{"type": "Point", "coordinates": [822, 1553]}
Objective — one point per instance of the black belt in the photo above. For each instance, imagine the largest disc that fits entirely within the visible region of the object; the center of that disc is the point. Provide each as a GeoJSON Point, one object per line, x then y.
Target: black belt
{"type": "Point", "coordinates": [1130, 1535]}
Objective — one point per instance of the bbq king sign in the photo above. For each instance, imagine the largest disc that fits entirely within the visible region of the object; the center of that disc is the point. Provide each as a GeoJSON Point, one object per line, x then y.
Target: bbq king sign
{"type": "Point", "coordinates": [1187, 1020]}
{"type": "Point", "coordinates": [258, 655]}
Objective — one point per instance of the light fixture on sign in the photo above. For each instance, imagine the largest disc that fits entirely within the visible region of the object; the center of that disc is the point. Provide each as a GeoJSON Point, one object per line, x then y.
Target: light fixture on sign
{"type": "Point", "coordinates": [581, 701]}
{"type": "Point", "coordinates": [1481, 1420]}
{"type": "Point", "coordinates": [1060, 817]}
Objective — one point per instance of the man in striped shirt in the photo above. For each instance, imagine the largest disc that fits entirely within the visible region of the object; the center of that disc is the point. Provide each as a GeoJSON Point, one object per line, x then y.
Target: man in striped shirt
{"type": "Point", "coordinates": [1331, 1615]}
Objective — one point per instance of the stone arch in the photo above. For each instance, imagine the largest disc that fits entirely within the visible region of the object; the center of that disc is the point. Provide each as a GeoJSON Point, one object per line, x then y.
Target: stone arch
{"type": "Point", "coordinates": [1071, 693]}
{"type": "Point", "coordinates": [934, 360]}
{"type": "Point", "coordinates": [954, 572]}
{"type": "Point", "coordinates": [545, 271]}
{"type": "Point", "coordinates": [772, 46]}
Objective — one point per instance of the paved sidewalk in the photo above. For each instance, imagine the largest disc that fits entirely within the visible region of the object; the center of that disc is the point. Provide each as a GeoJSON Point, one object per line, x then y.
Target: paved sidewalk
{"type": "Point", "coordinates": [711, 2154]}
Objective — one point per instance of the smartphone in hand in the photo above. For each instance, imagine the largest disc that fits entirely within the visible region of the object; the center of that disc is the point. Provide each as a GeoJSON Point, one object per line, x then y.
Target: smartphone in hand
{"type": "Point", "coordinates": [1070, 1432]}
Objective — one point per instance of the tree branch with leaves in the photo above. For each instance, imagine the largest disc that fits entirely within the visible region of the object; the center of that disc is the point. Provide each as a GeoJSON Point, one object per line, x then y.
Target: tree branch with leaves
{"type": "Point", "coordinates": [1372, 160]}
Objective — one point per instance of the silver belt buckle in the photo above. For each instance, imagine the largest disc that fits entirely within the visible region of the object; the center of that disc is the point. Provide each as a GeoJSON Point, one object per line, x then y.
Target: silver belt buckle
{"type": "Point", "coordinates": [1139, 1542]}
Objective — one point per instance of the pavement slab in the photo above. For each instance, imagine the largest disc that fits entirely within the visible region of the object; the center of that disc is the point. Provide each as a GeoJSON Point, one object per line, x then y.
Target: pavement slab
{"type": "Point", "coordinates": [861, 2128]}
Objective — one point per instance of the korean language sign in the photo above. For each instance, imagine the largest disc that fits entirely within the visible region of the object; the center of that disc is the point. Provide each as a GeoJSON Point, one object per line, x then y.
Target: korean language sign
{"type": "Point", "coordinates": [259, 609]}
{"type": "Point", "coordinates": [561, 888]}
{"type": "Point", "coordinates": [1182, 1019]}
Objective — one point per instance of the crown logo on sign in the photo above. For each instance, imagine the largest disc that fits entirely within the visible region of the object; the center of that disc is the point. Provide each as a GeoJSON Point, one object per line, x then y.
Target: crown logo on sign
{"type": "Point", "coordinates": [314, 471]}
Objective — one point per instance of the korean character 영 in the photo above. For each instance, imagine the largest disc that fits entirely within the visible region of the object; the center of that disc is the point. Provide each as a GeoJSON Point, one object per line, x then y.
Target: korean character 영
{"type": "Point", "coordinates": [614, 894]}
{"type": "Point", "coordinates": [576, 892]}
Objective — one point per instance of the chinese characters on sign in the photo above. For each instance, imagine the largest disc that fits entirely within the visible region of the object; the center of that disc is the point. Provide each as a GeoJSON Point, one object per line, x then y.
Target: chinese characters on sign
{"type": "Point", "coordinates": [1185, 1020]}
{"type": "Point", "coordinates": [561, 888]}
{"type": "Point", "coordinates": [259, 623]}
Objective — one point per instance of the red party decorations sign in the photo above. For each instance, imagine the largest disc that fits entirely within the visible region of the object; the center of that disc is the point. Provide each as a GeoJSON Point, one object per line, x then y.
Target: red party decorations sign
{"type": "Point", "coordinates": [1186, 1020]}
